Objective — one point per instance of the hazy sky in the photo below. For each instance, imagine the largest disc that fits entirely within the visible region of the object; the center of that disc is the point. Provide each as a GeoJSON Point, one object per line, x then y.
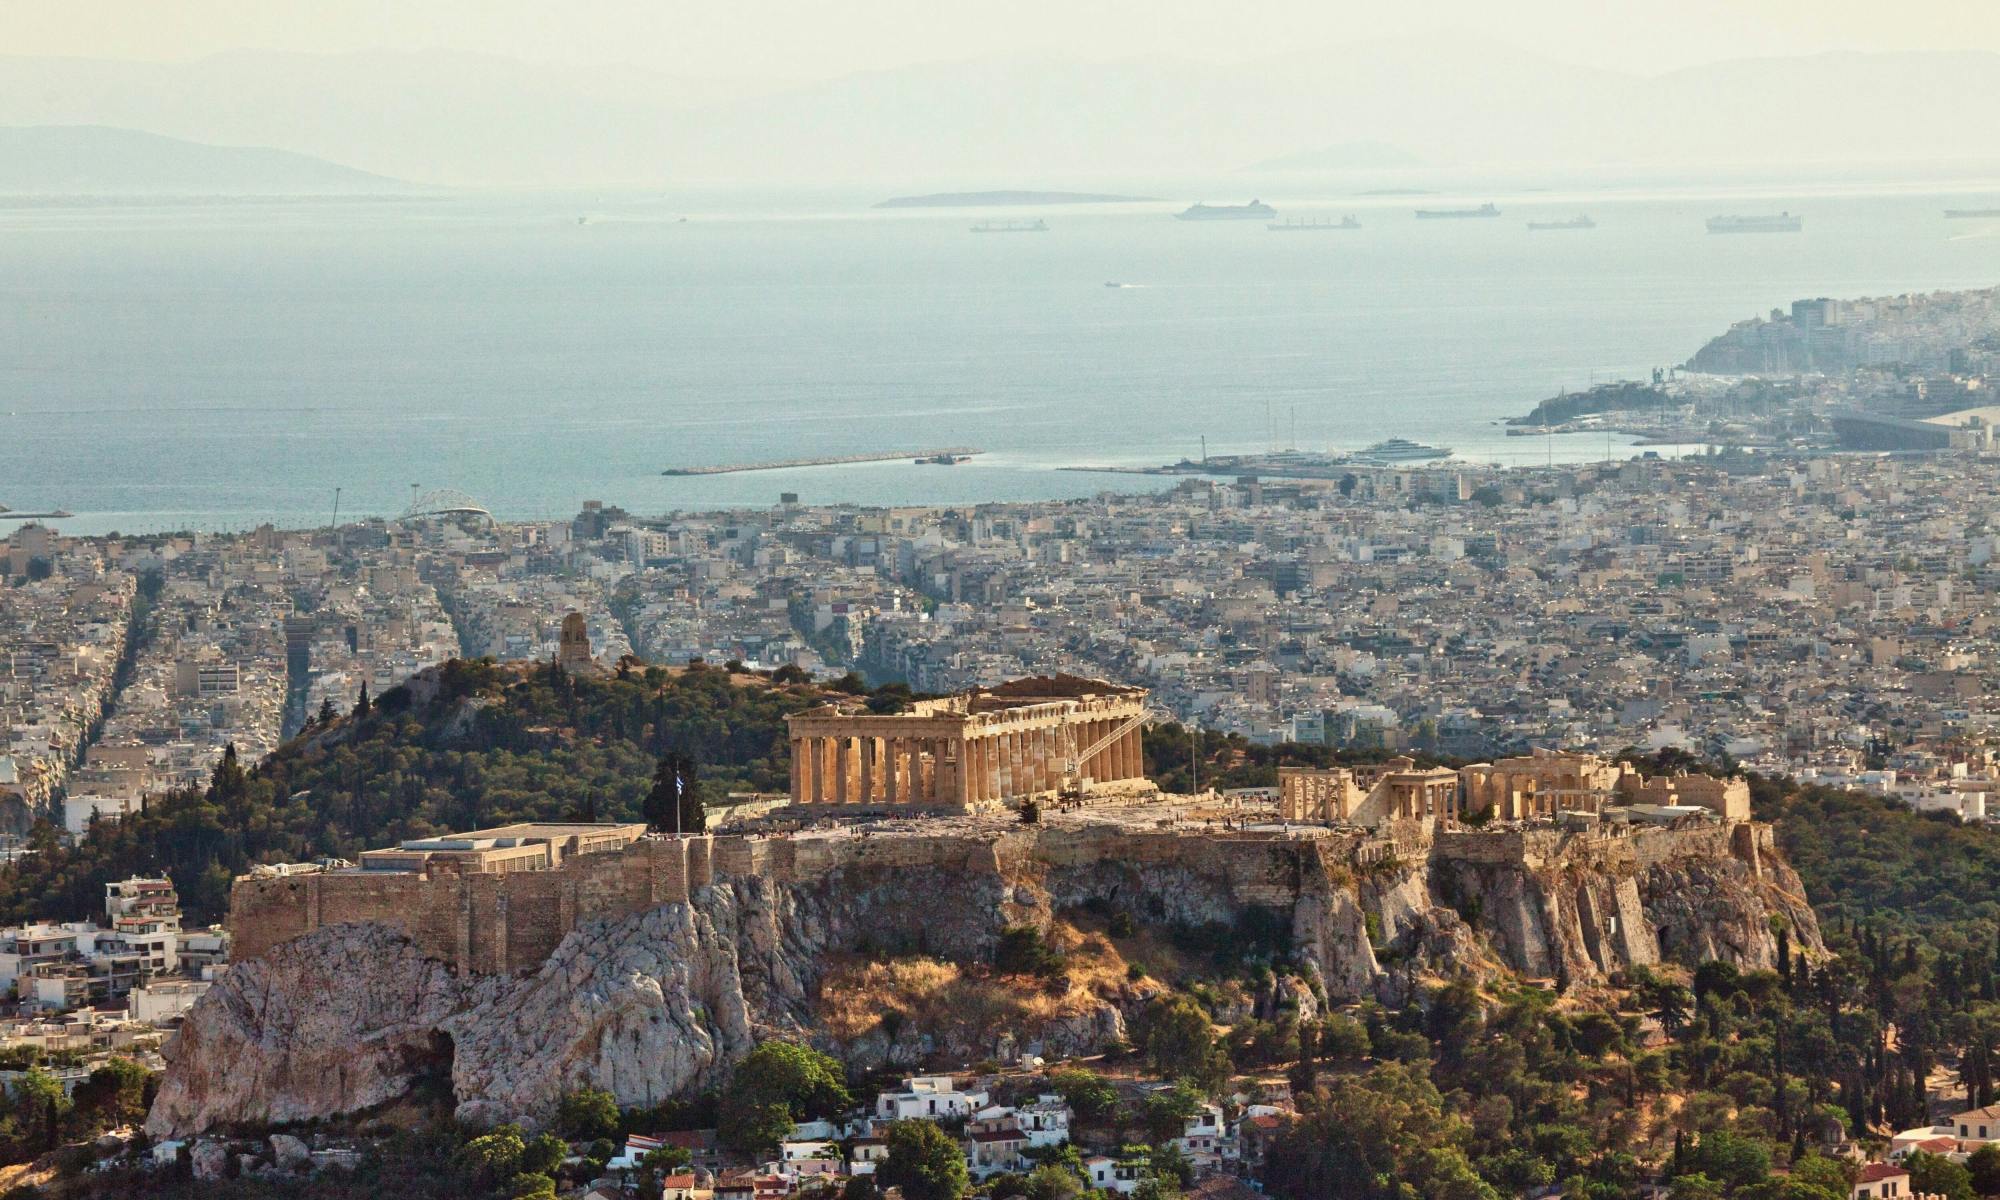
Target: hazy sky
{"type": "Point", "coordinates": [802, 39]}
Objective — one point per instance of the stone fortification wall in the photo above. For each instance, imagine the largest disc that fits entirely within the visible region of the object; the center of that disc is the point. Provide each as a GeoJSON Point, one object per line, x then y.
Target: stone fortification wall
{"type": "Point", "coordinates": [496, 924]}
{"type": "Point", "coordinates": [488, 923]}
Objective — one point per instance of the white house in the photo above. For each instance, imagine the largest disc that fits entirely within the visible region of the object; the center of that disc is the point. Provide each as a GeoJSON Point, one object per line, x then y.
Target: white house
{"type": "Point", "coordinates": [1116, 1175]}
{"type": "Point", "coordinates": [930, 1098]}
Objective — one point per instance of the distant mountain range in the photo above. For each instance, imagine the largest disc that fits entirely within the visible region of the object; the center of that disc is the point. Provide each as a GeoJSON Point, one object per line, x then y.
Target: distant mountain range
{"type": "Point", "coordinates": [95, 160]}
{"type": "Point", "coordinates": [451, 118]}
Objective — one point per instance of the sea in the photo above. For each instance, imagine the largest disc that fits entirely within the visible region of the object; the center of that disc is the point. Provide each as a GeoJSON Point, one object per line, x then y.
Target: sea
{"type": "Point", "coordinates": [215, 365]}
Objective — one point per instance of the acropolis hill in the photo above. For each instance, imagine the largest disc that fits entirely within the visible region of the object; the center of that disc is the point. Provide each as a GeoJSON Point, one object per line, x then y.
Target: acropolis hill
{"type": "Point", "coordinates": [526, 960]}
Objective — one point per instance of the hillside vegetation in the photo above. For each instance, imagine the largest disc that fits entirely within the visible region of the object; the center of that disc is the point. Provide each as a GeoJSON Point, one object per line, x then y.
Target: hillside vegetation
{"type": "Point", "coordinates": [496, 744]}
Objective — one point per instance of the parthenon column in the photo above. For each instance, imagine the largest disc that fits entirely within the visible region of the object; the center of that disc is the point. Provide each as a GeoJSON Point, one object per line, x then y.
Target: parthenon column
{"type": "Point", "coordinates": [843, 762]}
{"type": "Point", "coordinates": [892, 792]}
{"type": "Point", "coordinates": [961, 791]}
{"type": "Point", "coordinates": [798, 770]}
{"type": "Point", "coordinates": [867, 769]}
{"type": "Point", "coordinates": [815, 751]}
{"type": "Point", "coordinates": [990, 762]}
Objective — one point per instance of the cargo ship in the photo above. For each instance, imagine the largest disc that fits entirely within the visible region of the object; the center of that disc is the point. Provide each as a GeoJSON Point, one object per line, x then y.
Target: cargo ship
{"type": "Point", "coordinates": [1453, 214]}
{"type": "Point", "coordinates": [1579, 221]}
{"type": "Point", "coordinates": [1399, 450]}
{"type": "Point", "coordinates": [1256, 210]}
{"type": "Point", "coordinates": [1035, 226]}
{"type": "Point", "coordinates": [1957, 214]}
{"type": "Point", "coordinates": [1784, 222]}
{"type": "Point", "coordinates": [1316, 223]}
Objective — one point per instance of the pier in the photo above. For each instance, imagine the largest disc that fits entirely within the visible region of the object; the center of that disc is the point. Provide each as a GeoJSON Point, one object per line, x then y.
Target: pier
{"type": "Point", "coordinates": [941, 456]}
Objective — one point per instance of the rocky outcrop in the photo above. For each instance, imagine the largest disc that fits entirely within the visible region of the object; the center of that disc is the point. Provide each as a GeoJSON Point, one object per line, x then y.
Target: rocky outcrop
{"type": "Point", "coordinates": [320, 1025]}
{"type": "Point", "coordinates": [656, 1003]}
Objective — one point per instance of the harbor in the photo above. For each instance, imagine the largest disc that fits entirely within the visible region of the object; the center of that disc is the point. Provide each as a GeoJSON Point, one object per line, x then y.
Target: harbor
{"type": "Point", "coordinates": [943, 456]}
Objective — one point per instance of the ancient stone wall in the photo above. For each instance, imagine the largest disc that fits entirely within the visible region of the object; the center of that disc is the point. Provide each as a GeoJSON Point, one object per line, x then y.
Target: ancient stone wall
{"type": "Point", "coordinates": [507, 923]}
{"type": "Point", "coordinates": [488, 923]}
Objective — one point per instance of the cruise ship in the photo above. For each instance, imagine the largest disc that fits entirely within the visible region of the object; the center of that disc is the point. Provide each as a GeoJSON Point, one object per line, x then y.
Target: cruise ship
{"type": "Point", "coordinates": [1315, 223]}
{"type": "Point", "coordinates": [1255, 210]}
{"type": "Point", "coordinates": [1448, 214]}
{"type": "Point", "coordinates": [1579, 221]}
{"type": "Point", "coordinates": [1784, 222]}
{"type": "Point", "coordinates": [1399, 450]}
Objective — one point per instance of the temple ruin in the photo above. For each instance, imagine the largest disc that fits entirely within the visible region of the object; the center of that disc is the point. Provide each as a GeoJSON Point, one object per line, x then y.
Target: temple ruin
{"type": "Point", "coordinates": [1042, 738]}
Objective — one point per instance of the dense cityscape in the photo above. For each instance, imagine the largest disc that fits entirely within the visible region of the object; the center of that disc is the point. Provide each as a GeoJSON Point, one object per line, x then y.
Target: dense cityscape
{"type": "Point", "coordinates": [831, 735]}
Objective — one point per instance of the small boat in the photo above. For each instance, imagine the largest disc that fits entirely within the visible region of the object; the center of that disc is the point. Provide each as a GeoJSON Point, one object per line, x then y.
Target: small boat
{"type": "Point", "coordinates": [1313, 225]}
{"type": "Point", "coordinates": [1112, 283]}
{"type": "Point", "coordinates": [943, 460]}
{"type": "Point", "coordinates": [1035, 226]}
{"type": "Point", "coordinates": [1578, 221]}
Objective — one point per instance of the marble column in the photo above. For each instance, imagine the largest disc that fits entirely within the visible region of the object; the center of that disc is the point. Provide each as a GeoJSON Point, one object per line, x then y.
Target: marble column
{"type": "Point", "coordinates": [869, 769]}
{"type": "Point", "coordinates": [990, 745]}
{"type": "Point", "coordinates": [843, 762]}
{"type": "Point", "coordinates": [798, 764]}
{"type": "Point", "coordinates": [963, 783]}
{"type": "Point", "coordinates": [892, 791]}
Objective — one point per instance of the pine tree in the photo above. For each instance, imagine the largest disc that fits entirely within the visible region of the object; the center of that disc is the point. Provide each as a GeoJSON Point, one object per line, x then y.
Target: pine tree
{"type": "Point", "coordinates": [361, 704]}
{"type": "Point", "coordinates": [328, 714]}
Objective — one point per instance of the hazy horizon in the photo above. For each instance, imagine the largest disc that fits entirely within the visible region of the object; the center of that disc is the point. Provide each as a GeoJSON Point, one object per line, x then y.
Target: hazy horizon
{"type": "Point", "coordinates": [798, 41]}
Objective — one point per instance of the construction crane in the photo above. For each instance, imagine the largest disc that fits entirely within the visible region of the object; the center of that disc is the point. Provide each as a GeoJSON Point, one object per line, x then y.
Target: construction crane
{"type": "Point", "coordinates": [1075, 759]}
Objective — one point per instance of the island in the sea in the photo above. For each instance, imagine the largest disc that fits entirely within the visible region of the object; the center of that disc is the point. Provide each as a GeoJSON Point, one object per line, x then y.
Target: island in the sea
{"type": "Point", "coordinates": [982, 199]}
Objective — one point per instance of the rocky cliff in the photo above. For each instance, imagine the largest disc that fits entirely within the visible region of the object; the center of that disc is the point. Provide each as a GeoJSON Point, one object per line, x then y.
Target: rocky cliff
{"type": "Point", "coordinates": [654, 1003]}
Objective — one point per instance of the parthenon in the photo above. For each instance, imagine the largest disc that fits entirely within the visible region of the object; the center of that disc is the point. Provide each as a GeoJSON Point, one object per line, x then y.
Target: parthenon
{"type": "Point", "coordinates": [984, 749]}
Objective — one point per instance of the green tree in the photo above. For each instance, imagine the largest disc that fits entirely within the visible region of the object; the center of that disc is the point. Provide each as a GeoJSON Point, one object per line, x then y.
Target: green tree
{"type": "Point", "coordinates": [1832, 1174]}
{"type": "Point", "coordinates": [1936, 1175]}
{"type": "Point", "coordinates": [490, 1158]}
{"type": "Point", "coordinates": [587, 1114]}
{"type": "Point", "coordinates": [774, 1087]}
{"type": "Point", "coordinates": [857, 1187]}
{"type": "Point", "coordinates": [114, 1095]}
{"type": "Point", "coordinates": [1369, 1137]}
{"type": "Point", "coordinates": [673, 804]}
{"type": "Point", "coordinates": [1156, 1188]}
{"type": "Point", "coordinates": [531, 1185]}
{"type": "Point", "coordinates": [1169, 1161]}
{"type": "Point", "coordinates": [1176, 1034]}
{"type": "Point", "coordinates": [543, 1154]}
{"type": "Point", "coordinates": [1089, 1095]}
{"type": "Point", "coordinates": [1168, 1110]}
{"type": "Point", "coordinates": [1051, 1182]}
{"type": "Point", "coordinates": [1984, 1167]}
{"type": "Point", "coordinates": [1731, 1159]}
{"type": "Point", "coordinates": [924, 1161]}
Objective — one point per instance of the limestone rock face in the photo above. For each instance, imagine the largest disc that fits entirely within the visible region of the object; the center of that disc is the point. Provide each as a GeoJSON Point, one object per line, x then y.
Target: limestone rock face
{"type": "Point", "coordinates": [643, 1008]}
{"type": "Point", "coordinates": [340, 1020]}
{"type": "Point", "coordinates": [664, 1001]}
